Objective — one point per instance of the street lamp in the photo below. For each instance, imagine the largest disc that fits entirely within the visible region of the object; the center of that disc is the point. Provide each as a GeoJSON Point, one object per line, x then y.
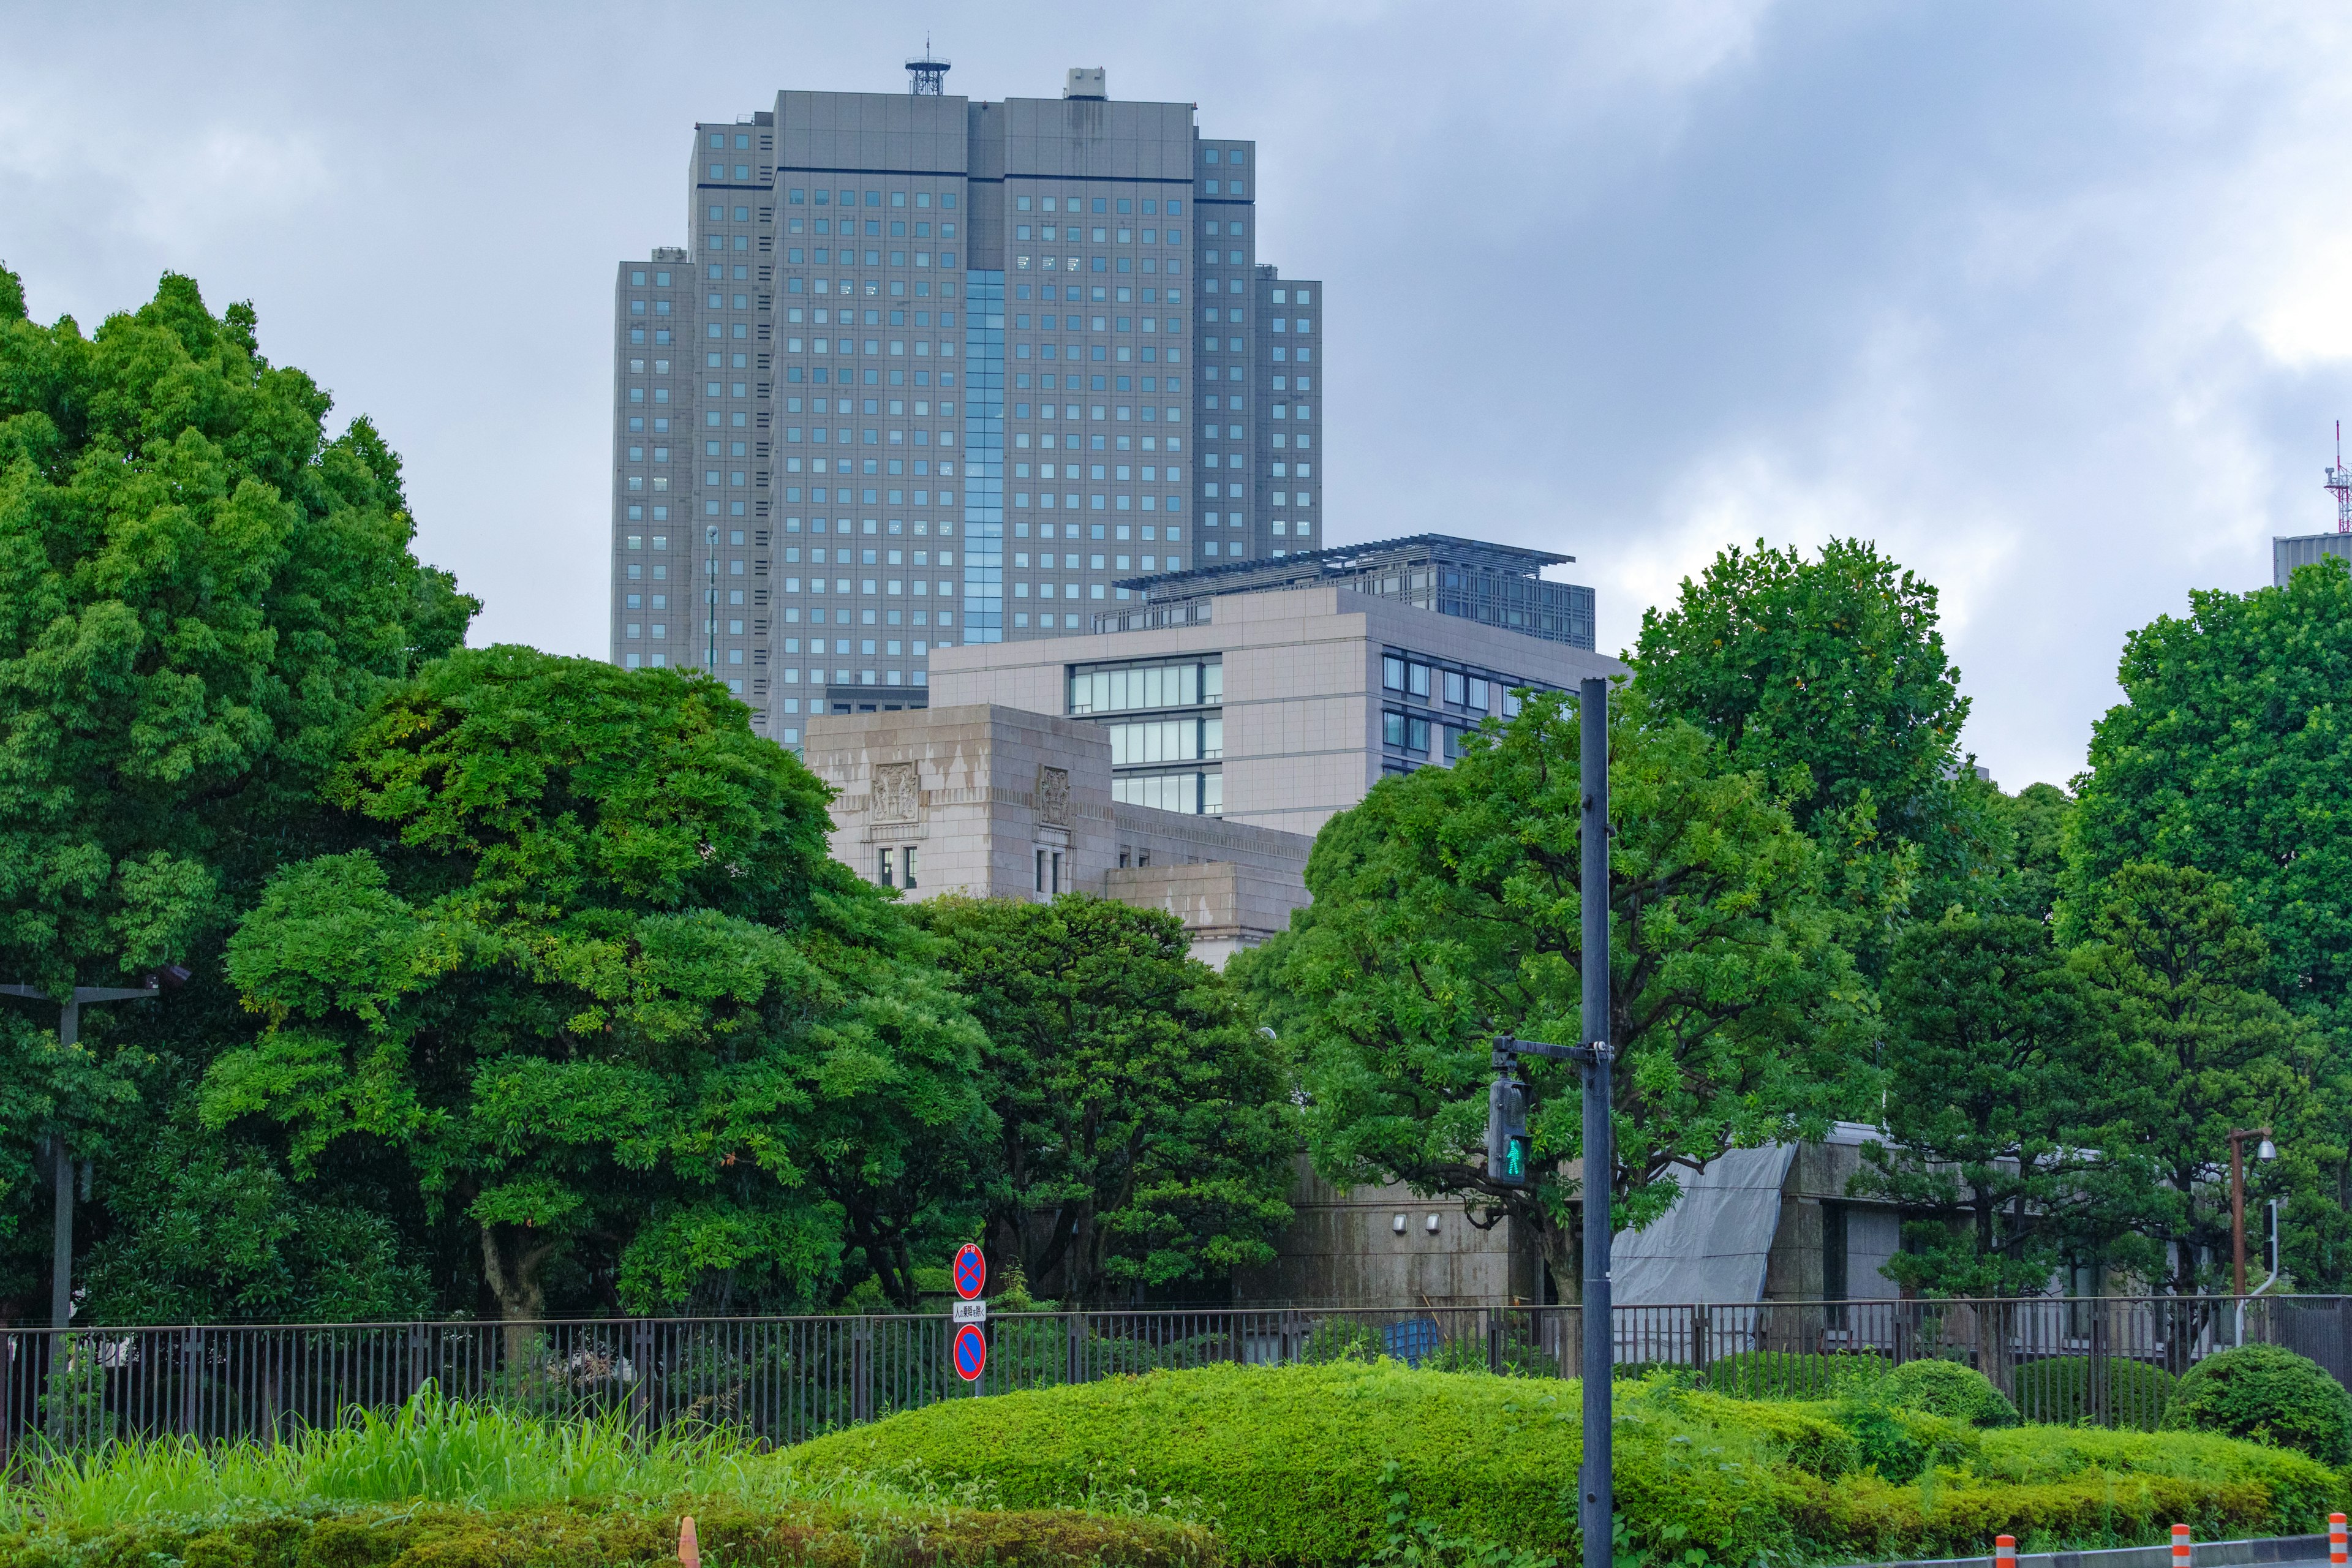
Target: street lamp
{"type": "Point", "coordinates": [61, 1157]}
{"type": "Point", "coordinates": [2266, 1151]}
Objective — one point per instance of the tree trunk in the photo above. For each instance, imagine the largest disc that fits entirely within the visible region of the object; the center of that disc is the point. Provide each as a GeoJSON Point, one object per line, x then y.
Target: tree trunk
{"type": "Point", "coordinates": [513, 1259]}
{"type": "Point", "coordinates": [1563, 1256]}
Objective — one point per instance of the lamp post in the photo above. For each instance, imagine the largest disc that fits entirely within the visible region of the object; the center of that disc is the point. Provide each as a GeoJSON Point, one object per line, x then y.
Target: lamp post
{"type": "Point", "coordinates": [60, 1155]}
{"type": "Point", "coordinates": [2266, 1151]}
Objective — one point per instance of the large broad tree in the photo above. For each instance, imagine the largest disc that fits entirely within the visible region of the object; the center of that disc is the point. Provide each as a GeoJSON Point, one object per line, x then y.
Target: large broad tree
{"type": "Point", "coordinates": [597, 983]}
{"type": "Point", "coordinates": [1836, 666]}
{"type": "Point", "coordinates": [1447, 911]}
{"type": "Point", "coordinates": [2230, 753]}
{"type": "Point", "coordinates": [200, 592]}
{"type": "Point", "coordinates": [1146, 1132]}
{"type": "Point", "coordinates": [2201, 1048]}
{"type": "Point", "coordinates": [1994, 1048]}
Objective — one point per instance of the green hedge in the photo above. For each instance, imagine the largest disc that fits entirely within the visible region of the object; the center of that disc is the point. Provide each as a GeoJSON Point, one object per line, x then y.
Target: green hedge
{"type": "Point", "coordinates": [439, 1536]}
{"type": "Point", "coordinates": [1317, 1466]}
{"type": "Point", "coordinates": [1867, 1518]}
{"type": "Point", "coordinates": [2058, 1391]}
{"type": "Point", "coordinates": [1947, 1388]}
{"type": "Point", "coordinates": [2269, 1394]}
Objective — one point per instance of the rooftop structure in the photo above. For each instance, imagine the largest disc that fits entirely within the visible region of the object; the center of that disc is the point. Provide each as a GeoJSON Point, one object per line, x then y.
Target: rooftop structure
{"type": "Point", "coordinates": [1494, 584]}
{"type": "Point", "coordinates": [2304, 549]}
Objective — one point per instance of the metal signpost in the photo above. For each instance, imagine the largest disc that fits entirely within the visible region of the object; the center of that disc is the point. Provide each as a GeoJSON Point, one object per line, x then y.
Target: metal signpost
{"type": "Point", "coordinates": [969, 1347]}
{"type": "Point", "coordinates": [60, 1153]}
{"type": "Point", "coordinates": [1510, 1150]}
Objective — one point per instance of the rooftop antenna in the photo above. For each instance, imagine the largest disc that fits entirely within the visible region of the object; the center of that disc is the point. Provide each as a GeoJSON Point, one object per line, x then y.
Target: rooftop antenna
{"type": "Point", "coordinates": [926, 78]}
{"type": "Point", "coordinates": [2340, 481]}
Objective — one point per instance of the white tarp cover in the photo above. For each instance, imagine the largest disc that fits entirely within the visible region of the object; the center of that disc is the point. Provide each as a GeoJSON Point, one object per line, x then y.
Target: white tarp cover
{"type": "Point", "coordinates": [1712, 1244]}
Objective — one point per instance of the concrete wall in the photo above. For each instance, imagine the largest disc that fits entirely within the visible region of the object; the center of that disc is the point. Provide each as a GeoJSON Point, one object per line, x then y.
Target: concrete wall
{"type": "Point", "coordinates": [1345, 1249]}
{"type": "Point", "coordinates": [977, 792]}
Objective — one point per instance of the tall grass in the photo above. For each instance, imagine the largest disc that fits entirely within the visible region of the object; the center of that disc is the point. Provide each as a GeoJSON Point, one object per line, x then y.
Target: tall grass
{"type": "Point", "coordinates": [431, 1450]}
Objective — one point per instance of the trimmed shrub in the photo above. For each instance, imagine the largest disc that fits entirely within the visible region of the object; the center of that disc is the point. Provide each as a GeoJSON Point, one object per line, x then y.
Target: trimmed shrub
{"type": "Point", "coordinates": [1948, 1389]}
{"type": "Point", "coordinates": [438, 1536]}
{"type": "Point", "coordinates": [1303, 1464]}
{"type": "Point", "coordinates": [2302, 1491]}
{"type": "Point", "coordinates": [1331, 1464]}
{"type": "Point", "coordinates": [1900, 1445]}
{"type": "Point", "coordinates": [1868, 1519]}
{"type": "Point", "coordinates": [1791, 1375]}
{"type": "Point", "coordinates": [2058, 1391]}
{"type": "Point", "coordinates": [2269, 1394]}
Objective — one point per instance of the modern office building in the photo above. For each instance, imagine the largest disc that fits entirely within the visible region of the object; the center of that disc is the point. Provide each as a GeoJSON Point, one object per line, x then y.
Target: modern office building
{"type": "Point", "coordinates": [1278, 705]}
{"type": "Point", "coordinates": [2287, 552]}
{"type": "Point", "coordinates": [1186, 765]}
{"type": "Point", "coordinates": [932, 372]}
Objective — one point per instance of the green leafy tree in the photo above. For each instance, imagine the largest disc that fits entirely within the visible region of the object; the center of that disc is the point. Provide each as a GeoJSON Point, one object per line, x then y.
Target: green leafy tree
{"type": "Point", "coordinates": [212, 1230]}
{"type": "Point", "coordinates": [1991, 1048]}
{"type": "Point", "coordinates": [2200, 1049]}
{"type": "Point", "coordinates": [1447, 909]}
{"type": "Point", "coordinates": [2229, 753]}
{"type": "Point", "coordinates": [599, 986]}
{"type": "Point", "coordinates": [1146, 1132]}
{"type": "Point", "coordinates": [2032, 824]}
{"type": "Point", "coordinates": [200, 591]}
{"type": "Point", "coordinates": [1835, 666]}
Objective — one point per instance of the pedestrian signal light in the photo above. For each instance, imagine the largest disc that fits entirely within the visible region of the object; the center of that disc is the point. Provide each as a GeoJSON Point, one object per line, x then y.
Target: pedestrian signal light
{"type": "Point", "coordinates": [1510, 1152]}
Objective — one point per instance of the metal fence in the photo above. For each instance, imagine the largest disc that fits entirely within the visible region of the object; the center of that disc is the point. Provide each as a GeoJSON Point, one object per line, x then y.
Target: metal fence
{"type": "Point", "coordinates": [2106, 1361]}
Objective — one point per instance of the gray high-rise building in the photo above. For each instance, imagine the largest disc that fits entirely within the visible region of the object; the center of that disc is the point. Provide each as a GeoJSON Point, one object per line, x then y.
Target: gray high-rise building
{"type": "Point", "coordinates": [933, 370]}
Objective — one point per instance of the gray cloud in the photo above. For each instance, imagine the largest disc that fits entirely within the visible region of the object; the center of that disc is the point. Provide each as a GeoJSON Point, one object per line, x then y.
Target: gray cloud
{"type": "Point", "coordinates": [2046, 299]}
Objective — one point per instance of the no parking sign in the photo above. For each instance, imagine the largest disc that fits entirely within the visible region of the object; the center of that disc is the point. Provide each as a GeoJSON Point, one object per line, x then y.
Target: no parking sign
{"type": "Point", "coordinates": [970, 1352]}
{"type": "Point", "coordinates": [969, 1349]}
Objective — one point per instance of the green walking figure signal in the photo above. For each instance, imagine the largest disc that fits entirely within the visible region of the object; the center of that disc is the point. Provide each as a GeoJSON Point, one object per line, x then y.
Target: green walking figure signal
{"type": "Point", "coordinates": [1509, 1149]}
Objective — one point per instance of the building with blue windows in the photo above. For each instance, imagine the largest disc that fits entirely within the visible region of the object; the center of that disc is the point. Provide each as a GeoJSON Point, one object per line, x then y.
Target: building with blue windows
{"type": "Point", "coordinates": [931, 372]}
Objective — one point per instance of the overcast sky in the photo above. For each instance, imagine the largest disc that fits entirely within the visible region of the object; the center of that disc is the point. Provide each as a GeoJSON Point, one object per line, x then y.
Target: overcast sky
{"type": "Point", "coordinates": [2046, 298]}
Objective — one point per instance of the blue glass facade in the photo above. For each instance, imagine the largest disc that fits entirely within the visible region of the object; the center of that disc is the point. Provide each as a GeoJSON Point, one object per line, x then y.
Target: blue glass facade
{"type": "Point", "coordinates": [984, 456]}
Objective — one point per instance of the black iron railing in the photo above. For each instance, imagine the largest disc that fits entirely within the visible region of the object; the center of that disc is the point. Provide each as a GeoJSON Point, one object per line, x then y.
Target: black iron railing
{"type": "Point", "coordinates": [2107, 1361]}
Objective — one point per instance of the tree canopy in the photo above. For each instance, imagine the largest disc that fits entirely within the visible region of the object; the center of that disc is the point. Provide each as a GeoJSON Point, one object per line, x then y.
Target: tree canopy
{"type": "Point", "coordinates": [1835, 666]}
{"type": "Point", "coordinates": [1994, 1048]}
{"type": "Point", "coordinates": [596, 980]}
{"type": "Point", "coordinates": [1145, 1130]}
{"type": "Point", "coordinates": [1447, 909]}
{"type": "Point", "coordinates": [2229, 753]}
{"type": "Point", "coordinates": [201, 589]}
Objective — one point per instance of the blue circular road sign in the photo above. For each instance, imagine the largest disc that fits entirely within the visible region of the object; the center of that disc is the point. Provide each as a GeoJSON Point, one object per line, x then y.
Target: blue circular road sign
{"type": "Point", "coordinates": [971, 1353]}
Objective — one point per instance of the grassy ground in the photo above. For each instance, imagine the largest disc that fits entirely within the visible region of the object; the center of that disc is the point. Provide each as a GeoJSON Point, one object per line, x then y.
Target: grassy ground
{"type": "Point", "coordinates": [1313, 1467]}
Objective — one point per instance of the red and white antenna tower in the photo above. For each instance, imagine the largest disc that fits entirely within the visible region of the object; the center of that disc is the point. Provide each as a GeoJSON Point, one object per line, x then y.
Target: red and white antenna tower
{"type": "Point", "coordinates": [2340, 481]}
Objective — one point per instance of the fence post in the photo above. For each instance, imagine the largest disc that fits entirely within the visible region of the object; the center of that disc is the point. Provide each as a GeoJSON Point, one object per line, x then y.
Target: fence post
{"type": "Point", "coordinates": [1076, 1368]}
{"type": "Point", "coordinates": [192, 1361]}
{"type": "Point", "coordinates": [1702, 1339]}
{"type": "Point", "coordinates": [861, 1370]}
{"type": "Point", "coordinates": [2102, 1394]}
{"type": "Point", "coordinates": [642, 1353]}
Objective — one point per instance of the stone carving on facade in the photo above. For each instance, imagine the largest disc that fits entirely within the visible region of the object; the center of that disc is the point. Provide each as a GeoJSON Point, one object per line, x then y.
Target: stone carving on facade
{"type": "Point", "coordinates": [1054, 796]}
{"type": "Point", "coordinates": [897, 793]}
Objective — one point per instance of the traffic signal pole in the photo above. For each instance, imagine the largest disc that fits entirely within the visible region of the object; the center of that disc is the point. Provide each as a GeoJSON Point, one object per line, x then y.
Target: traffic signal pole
{"type": "Point", "coordinates": [1509, 1149]}
{"type": "Point", "coordinates": [1599, 1511]}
